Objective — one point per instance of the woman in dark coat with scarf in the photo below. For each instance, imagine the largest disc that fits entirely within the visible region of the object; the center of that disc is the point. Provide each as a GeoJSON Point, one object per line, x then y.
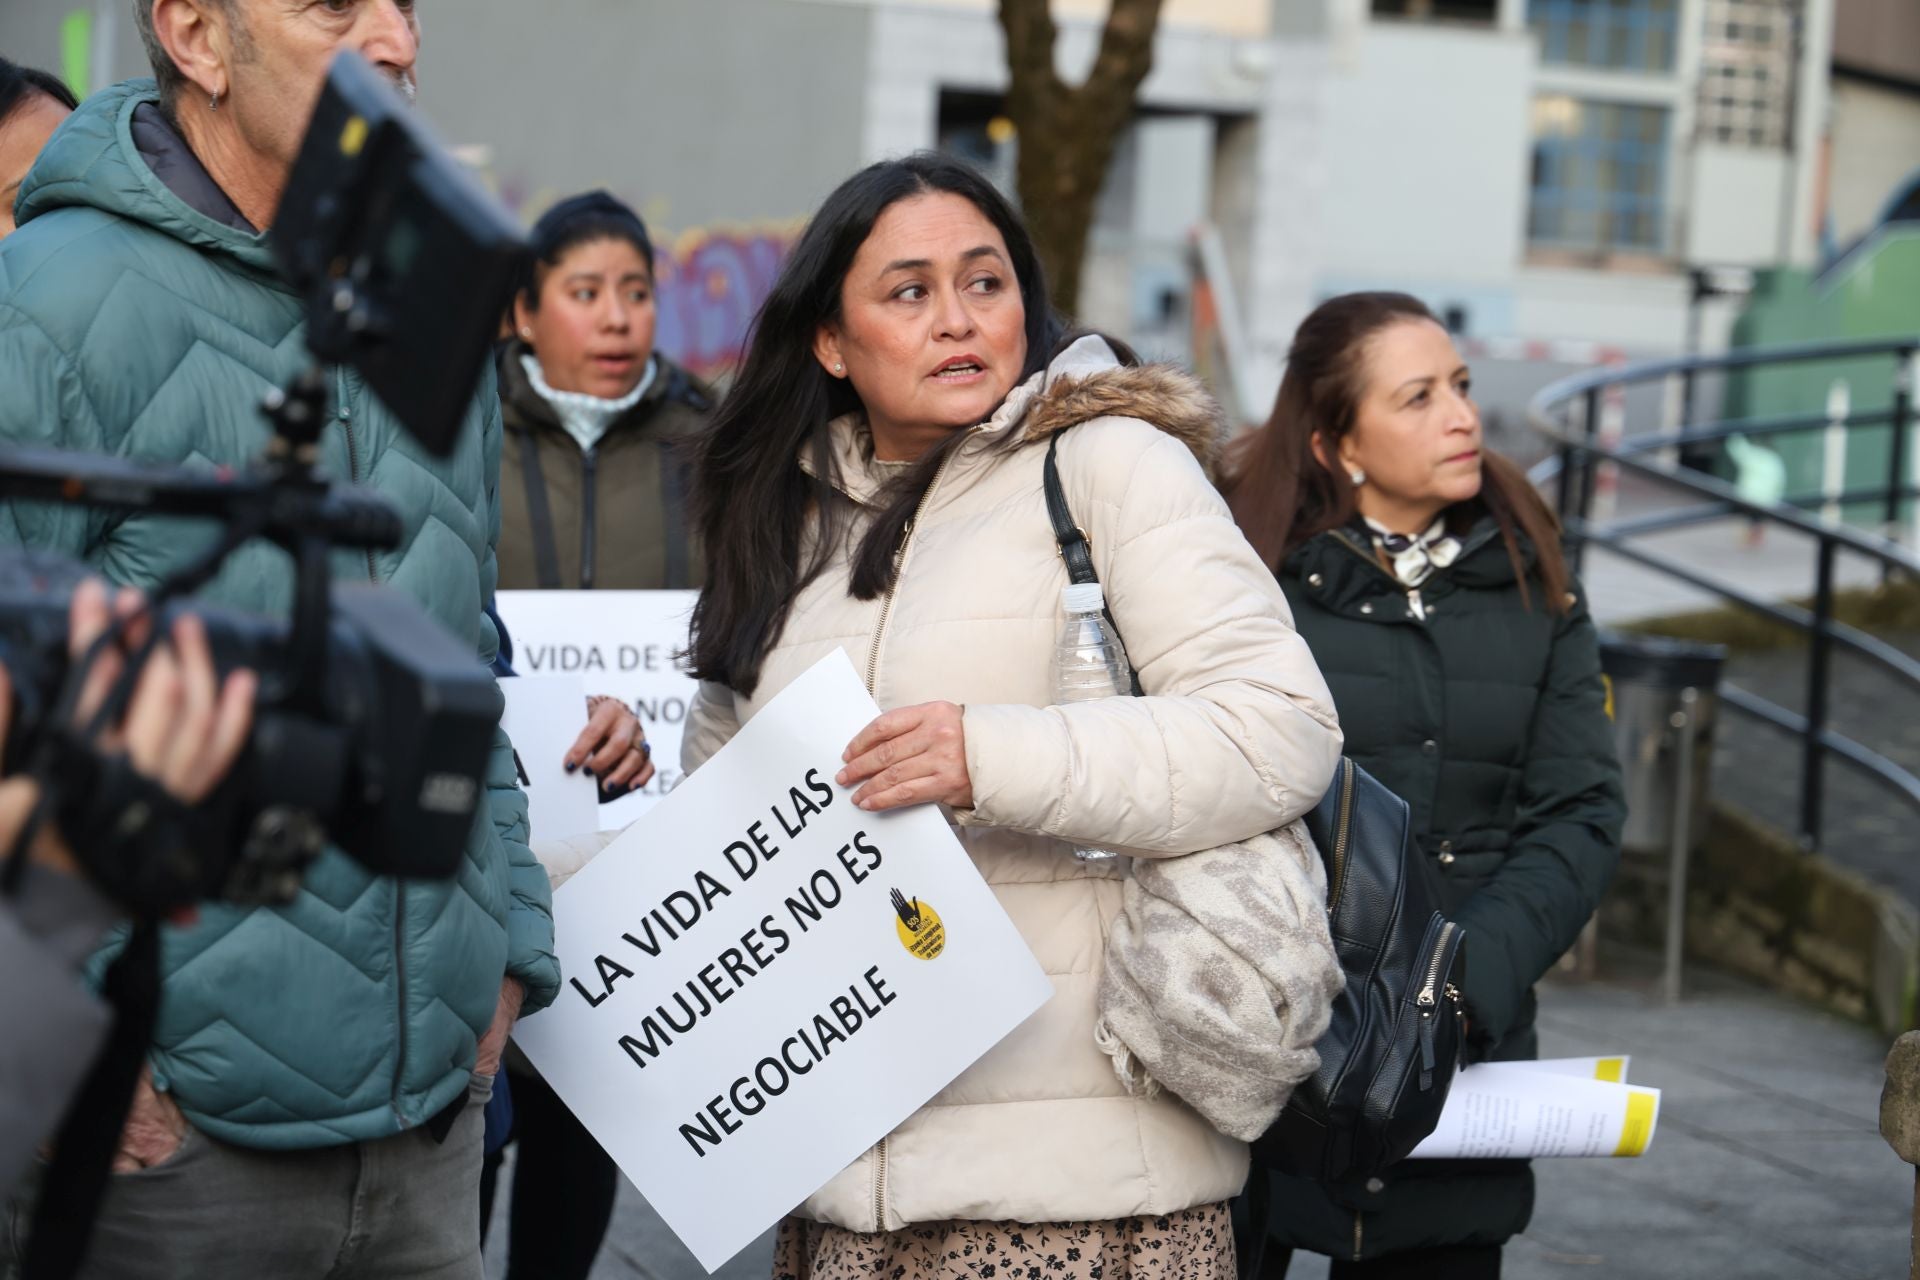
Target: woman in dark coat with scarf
{"type": "Point", "coordinates": [1426, 576]}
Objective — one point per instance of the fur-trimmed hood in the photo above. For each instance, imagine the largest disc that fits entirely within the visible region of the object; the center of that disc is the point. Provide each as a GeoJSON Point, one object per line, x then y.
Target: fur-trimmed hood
{"type": "Point", "coordinates": [1085, 382]}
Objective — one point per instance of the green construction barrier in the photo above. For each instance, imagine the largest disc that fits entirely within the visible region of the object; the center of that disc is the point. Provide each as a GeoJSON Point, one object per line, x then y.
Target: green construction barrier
{"type": "Point", "coordinates": [1873, 291]}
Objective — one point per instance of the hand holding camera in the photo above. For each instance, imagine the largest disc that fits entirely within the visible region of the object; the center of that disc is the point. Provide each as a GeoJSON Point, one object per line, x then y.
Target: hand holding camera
{"type": "Point", "coordinates": [182, 729]}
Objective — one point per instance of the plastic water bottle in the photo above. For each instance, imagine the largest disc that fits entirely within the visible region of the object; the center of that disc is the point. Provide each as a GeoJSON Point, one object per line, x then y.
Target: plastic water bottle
{"type": "Point", "coordinates": [1089, 662]}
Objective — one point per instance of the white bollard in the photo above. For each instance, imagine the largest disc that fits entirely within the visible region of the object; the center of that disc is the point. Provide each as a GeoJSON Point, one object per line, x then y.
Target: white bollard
{"type": "Point", "coordinates": [1911, 377]}
{"type": "Point", "coordinates": [1670, 399]}
{"type": "Point", "coordinates": [1613, 430]}
{"type": "Point", "coordinates": [1833, 471]}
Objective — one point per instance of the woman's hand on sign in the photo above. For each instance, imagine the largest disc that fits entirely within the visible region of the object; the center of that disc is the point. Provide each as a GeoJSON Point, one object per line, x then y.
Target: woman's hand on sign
{"type": "Point", "coordinates": [913, 755]}
{"type": "Point", "coordinates": [612, 748]}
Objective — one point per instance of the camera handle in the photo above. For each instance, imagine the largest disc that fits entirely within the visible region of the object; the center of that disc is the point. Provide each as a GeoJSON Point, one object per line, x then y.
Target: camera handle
{"type": "Point", "coordinates": [298, 413]}
{"type": "Point", "coordinates": [283, 497]}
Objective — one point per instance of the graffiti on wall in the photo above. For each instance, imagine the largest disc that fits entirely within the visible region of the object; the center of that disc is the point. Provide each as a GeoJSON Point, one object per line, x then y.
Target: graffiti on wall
{"type": "Point", "coordinates": [709, 282]}
{"type": "Point", "coordinates": [709, 286]}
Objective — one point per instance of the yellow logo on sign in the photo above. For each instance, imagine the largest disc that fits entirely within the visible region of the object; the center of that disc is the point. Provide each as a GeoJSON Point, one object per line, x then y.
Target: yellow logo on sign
{"type": "Point", "coordinates": [353, 137]}
{"type": "Point", "coordinates": [919, 927]}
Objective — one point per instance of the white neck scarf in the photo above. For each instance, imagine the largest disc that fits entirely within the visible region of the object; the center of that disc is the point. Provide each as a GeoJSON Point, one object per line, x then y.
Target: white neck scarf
{"type": "Point", "coordinates": [1415, 560]}
{"type": "Point", "coordinates": [586, 417]}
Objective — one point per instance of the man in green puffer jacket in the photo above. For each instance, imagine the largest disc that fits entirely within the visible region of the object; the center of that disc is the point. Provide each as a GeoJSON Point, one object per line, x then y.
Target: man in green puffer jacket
{"type": "Point", "coordinates": [306, 1109]}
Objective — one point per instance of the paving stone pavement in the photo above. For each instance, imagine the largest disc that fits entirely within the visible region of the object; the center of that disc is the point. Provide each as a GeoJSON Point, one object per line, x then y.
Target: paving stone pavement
{"type": "Point", "coordinates": [1767, 1163]}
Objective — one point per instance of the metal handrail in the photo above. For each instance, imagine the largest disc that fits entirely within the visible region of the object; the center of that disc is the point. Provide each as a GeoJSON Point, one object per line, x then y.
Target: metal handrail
{"type": "Point", "coordinates": [1740, 358]}
{"type": "Point", "coordinates": [1580, 453]}
{"type": "Point", "coordinates": [1760, 429]}
{"type": "Point", "coordinates": [1864, 760]}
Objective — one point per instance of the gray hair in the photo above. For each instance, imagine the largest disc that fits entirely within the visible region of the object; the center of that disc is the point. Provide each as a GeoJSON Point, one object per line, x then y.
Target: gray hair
{"type": "Point", "coordinates": [165, 73]}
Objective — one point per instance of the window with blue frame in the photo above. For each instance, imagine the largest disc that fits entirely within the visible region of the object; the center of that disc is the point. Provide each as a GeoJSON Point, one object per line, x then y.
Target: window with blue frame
{"type": "Point", "coordinates": [1622, 35]}
{"type": "Point", "coordinates": [1599, 176]}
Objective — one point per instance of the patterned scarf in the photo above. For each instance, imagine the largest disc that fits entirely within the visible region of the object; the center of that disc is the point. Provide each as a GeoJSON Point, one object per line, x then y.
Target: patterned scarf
{"type": "Point", "coordinates": [1414, 560]}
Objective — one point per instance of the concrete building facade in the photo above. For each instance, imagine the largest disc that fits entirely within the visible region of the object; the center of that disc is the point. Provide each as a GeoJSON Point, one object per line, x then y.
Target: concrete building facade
{"type": "Point", "coordinates": [1545, 169]}
{"type": "Point", "coordinates": [1876, 112]}
{"type": "Point", "coordinates": [1555, 167]}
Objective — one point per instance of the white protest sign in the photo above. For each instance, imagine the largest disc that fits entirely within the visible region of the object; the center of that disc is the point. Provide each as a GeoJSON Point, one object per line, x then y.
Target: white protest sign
{"type": "Point", "coordinates": [620, 643]}
{"type": "Point", "coordinates": [544, 717]}
{"type": "Point", "coordinates": [763, 980]}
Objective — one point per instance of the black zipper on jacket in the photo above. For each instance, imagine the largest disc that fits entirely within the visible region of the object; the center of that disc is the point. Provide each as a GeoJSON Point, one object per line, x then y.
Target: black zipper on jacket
{"type": "Point", "coordinates": [589, 486]}
{"type": "Point", "coordinates": [400, 981]}
{"type": "Point", "coordinates": [1413, 619]}
{"type": "Point", "coordinates": [345, 413]}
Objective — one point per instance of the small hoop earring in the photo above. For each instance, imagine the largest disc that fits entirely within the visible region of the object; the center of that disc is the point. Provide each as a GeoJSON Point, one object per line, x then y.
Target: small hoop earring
{"type": "Point", "coordinates": [1358, 477]}
{"type": "Point", "coordinates": [213, 103]}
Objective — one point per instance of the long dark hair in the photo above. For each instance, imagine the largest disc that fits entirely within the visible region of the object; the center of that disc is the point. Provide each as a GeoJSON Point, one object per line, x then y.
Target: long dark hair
{"type": "Point", "coordinates": [16, 82]}
{"type": "Point", "coordinates": [1283, 495]}
{"type": "Point", "coordinates": [751, 500]}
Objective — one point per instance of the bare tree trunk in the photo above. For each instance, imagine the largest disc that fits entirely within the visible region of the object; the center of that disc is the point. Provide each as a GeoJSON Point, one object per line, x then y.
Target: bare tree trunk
{"type": "Point", "coordinates": [1067, 135]}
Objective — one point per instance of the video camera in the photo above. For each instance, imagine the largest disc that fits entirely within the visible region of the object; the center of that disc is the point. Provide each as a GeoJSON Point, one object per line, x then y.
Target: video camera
{"type": "Point", "coordinates": [373, 724]}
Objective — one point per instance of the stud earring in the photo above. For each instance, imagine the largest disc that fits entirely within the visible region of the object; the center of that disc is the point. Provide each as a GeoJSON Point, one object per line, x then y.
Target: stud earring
{"type": "Point", "coordinates": [526, 331]}
{"type": "Point", "coordinates": [839, 368]}
{"type": "Point", "coordinates": [1358, 477]}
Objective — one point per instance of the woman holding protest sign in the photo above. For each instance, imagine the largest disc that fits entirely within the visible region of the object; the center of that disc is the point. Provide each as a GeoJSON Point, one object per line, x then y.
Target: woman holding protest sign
{"type": "Point", "coordinates": [592, 495]}
{"type": "Point", "coordinates": [593, 482]}
{"type": "Point", "coordinates": [873, 482]}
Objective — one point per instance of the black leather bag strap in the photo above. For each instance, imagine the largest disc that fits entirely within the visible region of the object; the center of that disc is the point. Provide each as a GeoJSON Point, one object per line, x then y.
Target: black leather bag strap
{"type": "Point", "coordinates": [1076, 549]}
{"type": "Point", "coordinates": [76, 1180]}
{"type": "Point", "coordinates": [675, 482]}
{"type": "Point", "coordinates": [546, 556]}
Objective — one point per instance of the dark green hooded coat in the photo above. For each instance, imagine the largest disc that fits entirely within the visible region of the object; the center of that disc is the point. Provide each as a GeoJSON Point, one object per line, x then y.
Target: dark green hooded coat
{"type": "Point", "coordinates": [1489, 717]}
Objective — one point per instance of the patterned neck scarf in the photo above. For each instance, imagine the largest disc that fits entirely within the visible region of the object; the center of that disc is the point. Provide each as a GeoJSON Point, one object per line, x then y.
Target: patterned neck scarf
{"type": "Point", "coordinates": [1415, 559]}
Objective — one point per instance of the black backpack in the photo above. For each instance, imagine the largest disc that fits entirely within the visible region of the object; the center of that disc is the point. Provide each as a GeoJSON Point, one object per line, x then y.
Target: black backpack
{"type": "Point", "coordinates": [1389, 1055]}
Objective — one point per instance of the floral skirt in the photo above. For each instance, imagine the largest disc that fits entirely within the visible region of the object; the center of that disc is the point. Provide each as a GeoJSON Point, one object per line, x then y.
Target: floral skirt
{"type": "Point", "coordinates": [1194, 1244]}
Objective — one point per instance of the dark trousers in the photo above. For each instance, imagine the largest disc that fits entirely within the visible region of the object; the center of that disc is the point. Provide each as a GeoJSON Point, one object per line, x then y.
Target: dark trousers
{"type": "Point", "coordinates": [563, 1188]}
{"type": "Point", "coordinates": [398, 1208]}
{"type": "Point", "coordinates": [1454, 1262]}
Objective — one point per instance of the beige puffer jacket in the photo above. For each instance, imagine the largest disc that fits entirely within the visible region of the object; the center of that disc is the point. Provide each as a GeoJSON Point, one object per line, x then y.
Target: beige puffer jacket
{"type": "Point", "coordinates": [1237, 737]}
